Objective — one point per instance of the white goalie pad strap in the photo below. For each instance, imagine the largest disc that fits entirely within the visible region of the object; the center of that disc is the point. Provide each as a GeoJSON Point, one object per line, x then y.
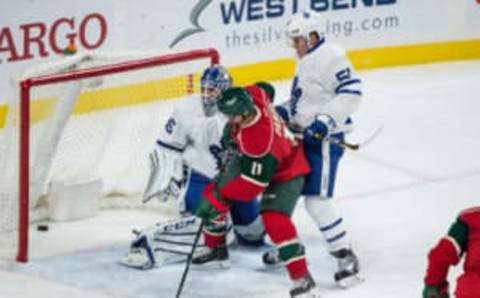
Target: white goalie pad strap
{"type": "Point", "coordinates": [166, 165]}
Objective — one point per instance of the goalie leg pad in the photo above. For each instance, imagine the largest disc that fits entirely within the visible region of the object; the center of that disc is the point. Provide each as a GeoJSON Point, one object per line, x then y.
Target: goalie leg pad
{"type": "Point", "coordinates": [252, 234]}
{"type": "Point", "coordinates": [248, 225]}
{"type": "Point", "coordinates": [245, 213]}
{"type": "Point", "coordinates": [164, 243]}
{"type": "Point", "coordinates": [140, 256]}
{"type": "Point", "coordinates": [166, 167]}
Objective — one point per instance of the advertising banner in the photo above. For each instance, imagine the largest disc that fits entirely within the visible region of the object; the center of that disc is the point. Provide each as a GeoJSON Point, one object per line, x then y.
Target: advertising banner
{"type": "Point", "coordinates": [244, 31]}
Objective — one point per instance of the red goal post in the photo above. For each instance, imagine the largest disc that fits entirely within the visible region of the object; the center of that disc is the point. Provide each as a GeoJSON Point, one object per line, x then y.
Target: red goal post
{"type": "Point", "coordinates": [24, 122]}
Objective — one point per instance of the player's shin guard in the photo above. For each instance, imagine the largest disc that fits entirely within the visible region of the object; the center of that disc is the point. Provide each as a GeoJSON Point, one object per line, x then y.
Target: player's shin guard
{"type": "Point", "coordinates": [281, 230]}
{"type": "Point", "coordinates": [323, 213]}
{"type": "Point", "coordinates": [215, 254]}
{"type": "Point", "coordinates": [215, 231]}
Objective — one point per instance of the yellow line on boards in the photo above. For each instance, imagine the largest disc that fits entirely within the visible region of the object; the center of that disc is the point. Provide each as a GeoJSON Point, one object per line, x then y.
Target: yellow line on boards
{"type": "Point", "coordinates": [275, 70]}
{"type": "Point", "coordinates": [416, 54]}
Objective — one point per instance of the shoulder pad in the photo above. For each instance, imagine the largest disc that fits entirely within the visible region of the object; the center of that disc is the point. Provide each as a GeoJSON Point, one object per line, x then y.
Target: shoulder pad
{"type": "Point", "coordinates": [336, 50]}
{"type": "Point", "coordinates": [259, 97]}
{"type": "Point", "coordinates": [470, 211]}
{"type": "Point", "coordinates": [471, 216]}
{"type": "Point", "coordinates": [184, 112]}
{"type": "Point", "coordinates": [256, 140]}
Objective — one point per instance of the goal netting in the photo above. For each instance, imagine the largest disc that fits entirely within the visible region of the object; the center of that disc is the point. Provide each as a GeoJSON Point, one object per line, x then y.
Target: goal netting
{"type": "Point", "coordinates": [84, 125]}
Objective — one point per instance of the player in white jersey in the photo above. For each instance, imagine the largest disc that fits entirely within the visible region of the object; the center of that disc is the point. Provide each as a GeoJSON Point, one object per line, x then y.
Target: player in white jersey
{"type": "Point", "coordinates": [325, 92]}
{"type": "Point", "coordinates": [187, 156]}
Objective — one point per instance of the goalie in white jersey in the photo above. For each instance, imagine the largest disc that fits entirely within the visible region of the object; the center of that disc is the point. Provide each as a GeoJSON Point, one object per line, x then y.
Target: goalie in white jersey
{"type": "Point", "coordinates": [187, 155]}
{"type": "Point", "coordinates": [325, 92]}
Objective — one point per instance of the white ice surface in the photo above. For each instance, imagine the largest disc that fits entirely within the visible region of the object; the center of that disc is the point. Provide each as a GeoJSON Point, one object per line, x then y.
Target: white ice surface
{"type": "Point", "coordinates": [398, 197]}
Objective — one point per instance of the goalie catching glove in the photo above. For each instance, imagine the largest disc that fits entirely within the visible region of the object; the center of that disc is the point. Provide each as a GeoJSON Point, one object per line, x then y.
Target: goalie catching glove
{"type": "Point", "coordinates": [168, 175]}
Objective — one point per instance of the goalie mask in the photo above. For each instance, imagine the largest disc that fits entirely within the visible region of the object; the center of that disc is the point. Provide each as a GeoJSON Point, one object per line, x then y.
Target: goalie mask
{"type": "Point", "coordinates": [214, 81]}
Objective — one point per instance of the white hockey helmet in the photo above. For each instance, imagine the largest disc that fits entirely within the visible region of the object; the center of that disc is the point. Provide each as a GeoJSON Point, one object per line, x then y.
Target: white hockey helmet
{"type": "Point", "coordinates": [303, 24]}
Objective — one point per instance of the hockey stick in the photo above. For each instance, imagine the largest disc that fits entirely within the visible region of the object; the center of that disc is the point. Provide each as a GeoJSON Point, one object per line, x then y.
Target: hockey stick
{"type": "Point", "coordinates": [352, 146]}
{"type": "Point", "coordinates": [189, 260]}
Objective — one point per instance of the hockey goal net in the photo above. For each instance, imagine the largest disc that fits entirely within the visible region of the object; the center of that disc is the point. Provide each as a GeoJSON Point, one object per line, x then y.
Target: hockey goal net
{"type": "Point", "coordinates": [89, 119]}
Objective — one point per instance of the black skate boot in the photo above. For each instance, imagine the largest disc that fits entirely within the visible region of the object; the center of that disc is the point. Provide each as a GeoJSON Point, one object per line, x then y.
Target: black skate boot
{"type": "Point", "coordinates": [271, 258]}
{"type": "Point", "coordinates": [304, 288]}
{"type": "Point", "coordinates": [348, 268]}
{"type": "Point", "coordinates": [211, 258]}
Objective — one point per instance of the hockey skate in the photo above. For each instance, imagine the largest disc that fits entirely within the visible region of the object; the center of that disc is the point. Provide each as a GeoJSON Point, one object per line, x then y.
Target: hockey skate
{"type": "Point", "coordinates": [348, 268]}
{"type": "Point", "coordinates": [304, 288]}
{"type": "Point", "coordinates": [211, 258]}
{"type": "Point", "coordinates": [271, 258]}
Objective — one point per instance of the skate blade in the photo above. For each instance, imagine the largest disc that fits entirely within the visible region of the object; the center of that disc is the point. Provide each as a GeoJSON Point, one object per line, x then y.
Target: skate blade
{"type": "Point", "coordinates": [350, 281]}
{"type": "Point", "coordinates": [212, 265]}
{"type": "Point", "coordinates": [312, 294]}
{"type": "Point", "coordinates": [273, 266]}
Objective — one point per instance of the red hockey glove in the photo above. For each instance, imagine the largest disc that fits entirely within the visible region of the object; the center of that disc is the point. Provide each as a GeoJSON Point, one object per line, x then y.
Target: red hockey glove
{"type": "Point", "coordinates": [212, 204]}
{"type": "Point", "coordinates": [206, 211]}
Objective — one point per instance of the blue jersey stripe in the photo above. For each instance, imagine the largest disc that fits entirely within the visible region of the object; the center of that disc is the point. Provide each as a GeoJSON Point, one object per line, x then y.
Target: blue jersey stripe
{"type": "Point", "coordinates": [169, 146]}
{"type": "Point", "coordinates": [347, 83]}
{"type": "Point", "coordinates": [348, 91]}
